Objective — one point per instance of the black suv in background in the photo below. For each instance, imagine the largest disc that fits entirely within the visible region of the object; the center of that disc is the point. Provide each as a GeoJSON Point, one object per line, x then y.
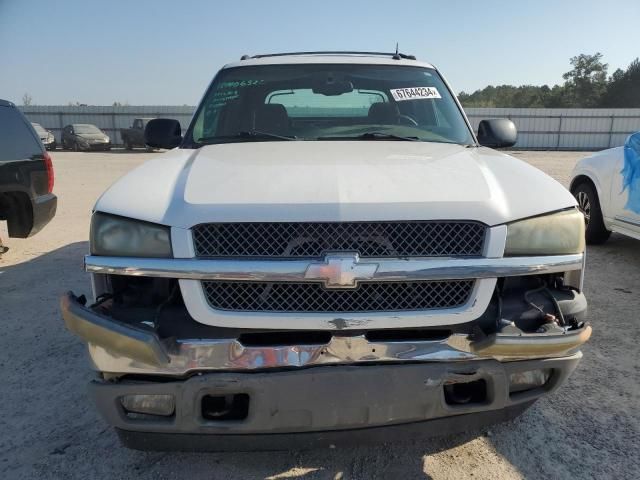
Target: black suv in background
{"type": "Point", "coordinates": [26, 176]}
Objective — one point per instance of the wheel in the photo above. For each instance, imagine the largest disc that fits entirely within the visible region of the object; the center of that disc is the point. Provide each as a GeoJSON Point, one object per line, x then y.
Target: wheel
{"type": "Point", "coordinates": [589, 205]}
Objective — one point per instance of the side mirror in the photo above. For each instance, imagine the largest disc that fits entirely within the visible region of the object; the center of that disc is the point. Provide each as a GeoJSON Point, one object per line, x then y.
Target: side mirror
{"type": "Point", "coordinates": [163, 133]}
{"type": "Point", "coordinates": [497, 133]}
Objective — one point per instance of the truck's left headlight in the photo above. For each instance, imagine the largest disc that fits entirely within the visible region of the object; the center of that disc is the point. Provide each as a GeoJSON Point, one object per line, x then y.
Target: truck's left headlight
{"type": "Point", "coordinates": [124, 237]}
{"type": "Point", "coordinates": [560, 233]}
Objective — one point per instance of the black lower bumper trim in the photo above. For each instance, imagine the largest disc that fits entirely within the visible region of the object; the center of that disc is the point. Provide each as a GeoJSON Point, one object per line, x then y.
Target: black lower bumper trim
{"type": "Point", "coordinates": [44, 209]}
{"type": "Point", "coordinates": [310, 440]}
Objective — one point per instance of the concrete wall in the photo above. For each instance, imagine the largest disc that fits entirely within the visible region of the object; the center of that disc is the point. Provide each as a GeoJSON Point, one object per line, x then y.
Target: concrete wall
{"type": "Point", "coordinates": [539, 128]}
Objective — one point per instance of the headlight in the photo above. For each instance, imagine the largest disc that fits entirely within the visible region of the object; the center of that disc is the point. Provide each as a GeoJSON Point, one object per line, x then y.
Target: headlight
{"type": "Point", "coordinates": [123, 237]}
{"type": "Point", "coordinates": [556, 234]}
{"type": "Point", "coordinates": [49, 137]}
{"type": "Point", "coordinates": [106, 139]}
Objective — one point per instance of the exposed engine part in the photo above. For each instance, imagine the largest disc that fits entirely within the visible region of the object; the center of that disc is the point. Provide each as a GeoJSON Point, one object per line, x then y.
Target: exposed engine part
{"type": "Point", "coordinates": [541, 302]}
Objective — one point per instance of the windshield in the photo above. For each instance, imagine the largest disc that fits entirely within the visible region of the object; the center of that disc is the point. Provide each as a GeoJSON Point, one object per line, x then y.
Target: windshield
{"type": "Point", "coordinates": [86, 129]}
{"type": "Point", "coordinates": [328, 102]}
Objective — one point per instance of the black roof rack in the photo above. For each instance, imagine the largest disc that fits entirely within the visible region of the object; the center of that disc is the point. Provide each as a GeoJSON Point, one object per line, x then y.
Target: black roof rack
{"type": "Point", "coordinates": [394, 55]}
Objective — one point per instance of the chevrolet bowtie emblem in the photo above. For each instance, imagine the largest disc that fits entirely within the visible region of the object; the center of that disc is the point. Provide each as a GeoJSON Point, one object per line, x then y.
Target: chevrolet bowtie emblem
{"type": "Point", "coordinates": [341, 270]}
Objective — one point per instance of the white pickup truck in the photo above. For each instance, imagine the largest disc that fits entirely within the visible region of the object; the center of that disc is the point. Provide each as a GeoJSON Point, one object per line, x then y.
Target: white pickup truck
{"type": "Point", "coordinates": [328, 254]}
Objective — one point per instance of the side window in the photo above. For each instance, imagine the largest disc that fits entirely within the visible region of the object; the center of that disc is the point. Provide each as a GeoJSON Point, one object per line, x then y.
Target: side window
{"type": "Point", "coordinates": [18, 141]}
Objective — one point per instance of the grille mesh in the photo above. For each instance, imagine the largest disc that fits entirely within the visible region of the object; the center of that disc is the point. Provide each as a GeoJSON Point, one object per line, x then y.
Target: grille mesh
{"type": "Point", "coordinates": [312, 240]}
{"type": "Point", "coordinates": [313, 297]}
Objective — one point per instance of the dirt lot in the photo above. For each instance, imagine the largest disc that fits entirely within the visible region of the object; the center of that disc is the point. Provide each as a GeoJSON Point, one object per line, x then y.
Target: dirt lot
{"type": "Point", "coordinates": [49, 429]}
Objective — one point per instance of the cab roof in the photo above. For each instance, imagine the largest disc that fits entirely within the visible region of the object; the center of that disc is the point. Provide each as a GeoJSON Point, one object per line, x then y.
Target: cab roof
{"type": "Point", "coordinates": [364, 58]}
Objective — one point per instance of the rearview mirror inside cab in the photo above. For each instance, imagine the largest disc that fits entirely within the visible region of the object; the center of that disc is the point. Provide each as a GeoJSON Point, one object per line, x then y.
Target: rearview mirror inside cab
{"type": "Point", "coordinates": [497, 133]}
{"type": "Point", "coordinates": [333, 87]}
{"type": "Point", "coordinates": [163, 133]}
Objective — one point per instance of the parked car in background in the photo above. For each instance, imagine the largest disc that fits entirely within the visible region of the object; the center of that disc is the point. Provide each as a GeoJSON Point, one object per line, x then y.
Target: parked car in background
{"type": "Point", "coordinates": [329, 250]}
{"type": "Point", "coordinates": [84, 136]}
{"type": "Point", "coordinates": [607, 188]}
{"type": "Point", "coordinates": [134, 136]}
{"type": "Point", "coordinates": [27, 202]}
{"type": "Point", "coordinates": [46, 137]}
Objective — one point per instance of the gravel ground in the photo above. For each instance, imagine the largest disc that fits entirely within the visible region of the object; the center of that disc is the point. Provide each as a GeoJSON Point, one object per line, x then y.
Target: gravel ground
{"type": "Point", "coordinates": [49, 429]}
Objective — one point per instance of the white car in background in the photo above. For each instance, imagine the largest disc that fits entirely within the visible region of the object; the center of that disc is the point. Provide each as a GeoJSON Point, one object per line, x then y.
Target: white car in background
{"type": "Point", "coordinates": [607, 188]}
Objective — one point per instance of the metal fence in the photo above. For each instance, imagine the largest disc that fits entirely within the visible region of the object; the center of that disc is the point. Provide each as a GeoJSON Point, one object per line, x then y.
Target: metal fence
{"type": "Point", "coordinates": [565, 128]}
{"type": "Point", "coordinates": [108, 119]}
{"type": "Point", "coordinates": [538, 128]}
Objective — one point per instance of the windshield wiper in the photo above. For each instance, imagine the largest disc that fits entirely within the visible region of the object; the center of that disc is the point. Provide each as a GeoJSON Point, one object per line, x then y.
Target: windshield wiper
{"type": "Point", "coordinates": [248, 134]}
{"type": "Point", "coordinates": [371, 136]}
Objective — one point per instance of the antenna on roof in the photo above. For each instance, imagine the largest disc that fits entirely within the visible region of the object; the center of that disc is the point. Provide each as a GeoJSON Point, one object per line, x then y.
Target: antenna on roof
{"type": "Point", "coordinates": [397, 56]}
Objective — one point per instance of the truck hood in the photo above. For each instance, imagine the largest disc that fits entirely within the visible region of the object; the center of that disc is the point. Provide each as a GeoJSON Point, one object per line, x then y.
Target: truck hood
{"type": "Point", "coordinates": [333, 181]}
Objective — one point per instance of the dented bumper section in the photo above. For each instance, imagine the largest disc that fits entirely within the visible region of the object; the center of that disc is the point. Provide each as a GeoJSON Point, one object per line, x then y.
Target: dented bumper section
{"type": "Point", "coordinates": [221, 408]}
{"type": "Point", "coordinates": [118, 347]}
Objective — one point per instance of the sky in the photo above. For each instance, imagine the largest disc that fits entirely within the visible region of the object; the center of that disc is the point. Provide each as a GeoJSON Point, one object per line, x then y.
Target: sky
{"type": "Point", "coordinates": [146, 52]}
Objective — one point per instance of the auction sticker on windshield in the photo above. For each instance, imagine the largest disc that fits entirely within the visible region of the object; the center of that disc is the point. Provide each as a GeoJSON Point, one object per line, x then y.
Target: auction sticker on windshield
{"type": "Point", "coordinates": [413, 93]}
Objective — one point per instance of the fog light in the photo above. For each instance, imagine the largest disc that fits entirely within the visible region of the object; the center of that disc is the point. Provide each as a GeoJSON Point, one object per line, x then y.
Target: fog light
{"type": "Point", "coordinates": [162, 405]}
{"type": "Point", "coordinates": [523, 381]}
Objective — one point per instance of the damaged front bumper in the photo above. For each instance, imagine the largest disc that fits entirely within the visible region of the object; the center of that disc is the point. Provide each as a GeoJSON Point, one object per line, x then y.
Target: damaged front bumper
{"type": "Point", "coordinates": [167, 393]}
{"type": "Point", "coordinates": [324, 406]}
{"type": "Point", "coordinates": [117, 347]}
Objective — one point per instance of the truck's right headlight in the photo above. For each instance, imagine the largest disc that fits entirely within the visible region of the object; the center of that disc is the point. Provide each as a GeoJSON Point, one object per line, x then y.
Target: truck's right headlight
{"type": "Point", "coordinates": [125, 237]}
{"type": "Point", "coordinates": [560, 233]}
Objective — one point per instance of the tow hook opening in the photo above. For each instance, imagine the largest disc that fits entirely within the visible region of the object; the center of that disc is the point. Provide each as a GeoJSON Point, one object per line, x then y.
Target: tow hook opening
{"type": "Point", "coordinates": [465, 393]}
{"type": "Point", "coordinates": [220, 408]}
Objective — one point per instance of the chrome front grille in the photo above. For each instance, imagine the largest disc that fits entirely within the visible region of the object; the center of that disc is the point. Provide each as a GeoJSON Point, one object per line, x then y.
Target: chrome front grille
{"type": "Point", "coordinates": [314, 239]}
{"type": "Point", "coordinates": [313, 297]}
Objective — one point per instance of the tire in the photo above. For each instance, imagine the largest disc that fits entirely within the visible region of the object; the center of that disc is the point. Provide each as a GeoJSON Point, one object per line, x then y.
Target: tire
{"type": "Point", "coordinates": [589, 205]}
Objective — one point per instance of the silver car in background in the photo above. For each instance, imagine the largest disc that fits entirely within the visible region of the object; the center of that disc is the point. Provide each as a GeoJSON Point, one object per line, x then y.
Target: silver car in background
{"type": "Point", "coordinates": [46, 137]}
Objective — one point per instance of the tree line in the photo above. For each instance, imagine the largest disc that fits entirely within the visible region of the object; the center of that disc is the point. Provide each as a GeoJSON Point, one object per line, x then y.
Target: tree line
{"type": "Point", "coordinates": [586, 85]}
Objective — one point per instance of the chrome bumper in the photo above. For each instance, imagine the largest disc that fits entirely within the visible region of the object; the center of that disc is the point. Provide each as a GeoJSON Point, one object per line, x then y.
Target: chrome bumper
{"type": "Point", "coordinates": [116, 347]}
{"type": "Point", "coordinates": [388, 270]}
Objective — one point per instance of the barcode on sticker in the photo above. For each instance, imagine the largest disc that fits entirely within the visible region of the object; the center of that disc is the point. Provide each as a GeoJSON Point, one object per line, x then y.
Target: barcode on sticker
{"type": "Point", "coordinates": [413, 93]}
